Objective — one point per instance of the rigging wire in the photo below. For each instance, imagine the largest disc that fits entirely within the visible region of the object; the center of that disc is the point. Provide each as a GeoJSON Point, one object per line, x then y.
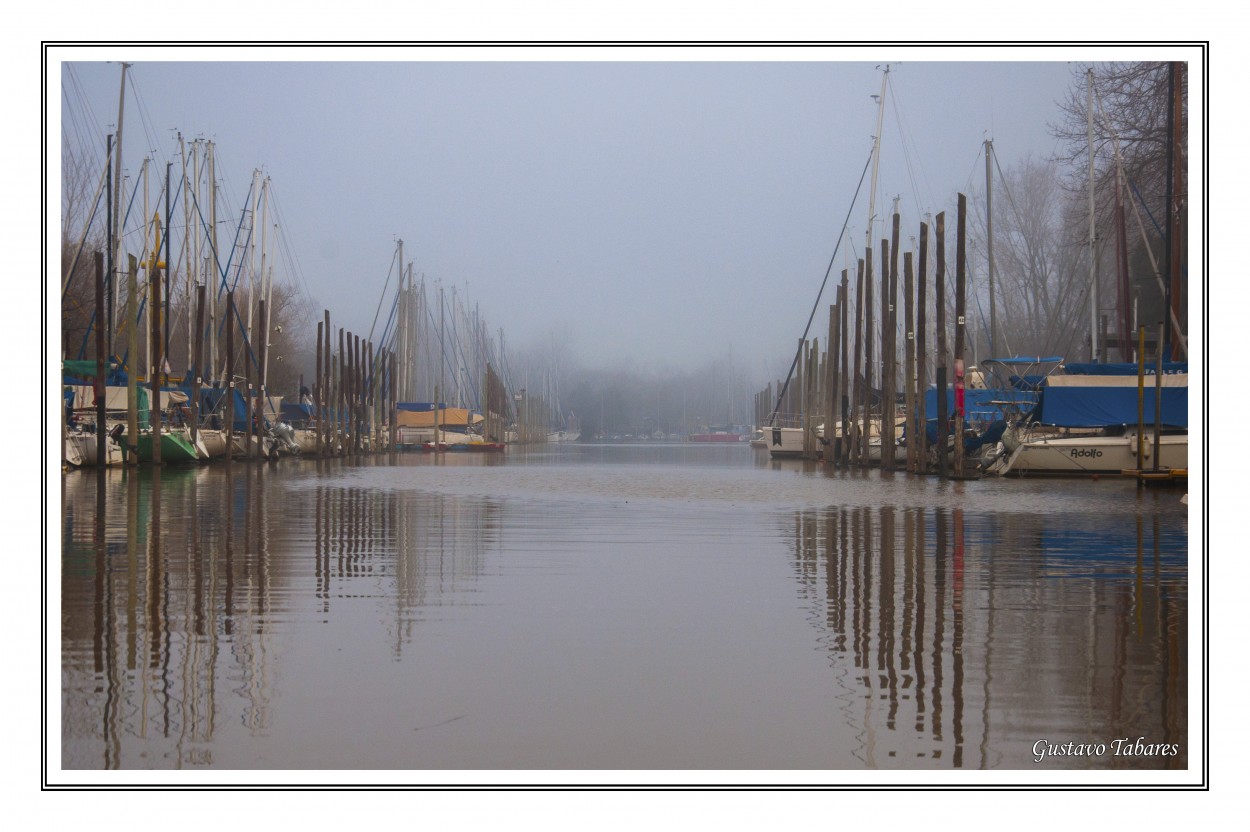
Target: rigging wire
{"type": "Point", "coordinates": [841, 235]}
{"type": "Point", "coordinates": [285, 244]}
{"type": "Point", "coordinates": [395, 266]}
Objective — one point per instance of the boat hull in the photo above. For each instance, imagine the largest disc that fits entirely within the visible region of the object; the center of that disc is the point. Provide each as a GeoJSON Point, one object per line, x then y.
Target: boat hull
{"type": "Point", "coordinates": [783, 442]}
{"type": "Point", "coordinates": [176, 449]}
{"type": "Point", "coordinates": [1084, 455]}
{"type": "Point", "coordinates": [81, 450]}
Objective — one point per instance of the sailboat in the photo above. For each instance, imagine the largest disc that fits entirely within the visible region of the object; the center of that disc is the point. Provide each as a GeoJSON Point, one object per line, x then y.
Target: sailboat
{"type": "Point", "coordinates": [1090, 419]}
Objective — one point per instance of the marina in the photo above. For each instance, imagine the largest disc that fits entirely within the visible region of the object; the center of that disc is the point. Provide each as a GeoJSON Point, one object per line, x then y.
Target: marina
{"type": "Point", "coordinates": [319, 511]}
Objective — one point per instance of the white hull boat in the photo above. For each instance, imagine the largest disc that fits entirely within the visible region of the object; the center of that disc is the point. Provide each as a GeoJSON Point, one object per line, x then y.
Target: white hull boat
{"type": "Point", "coordinates": [1089, 454]}
{"type": "Point", "coordinates": [81, 450]}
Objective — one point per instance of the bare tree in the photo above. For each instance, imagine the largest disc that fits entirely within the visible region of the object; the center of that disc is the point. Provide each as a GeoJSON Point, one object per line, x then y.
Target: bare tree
{"type": "Point", "coordinates": [1132, 141]}
{"type": "Point", "coordinates": [1041, 272]}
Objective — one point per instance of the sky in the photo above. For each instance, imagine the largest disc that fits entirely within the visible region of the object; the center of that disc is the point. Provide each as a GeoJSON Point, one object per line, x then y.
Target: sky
{"type": "Point", "coordinates": [646, 210]}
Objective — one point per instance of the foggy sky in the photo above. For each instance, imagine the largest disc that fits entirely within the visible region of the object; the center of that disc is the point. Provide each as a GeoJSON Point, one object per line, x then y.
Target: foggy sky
{"type": "Point", "coordinates": [637, 214]}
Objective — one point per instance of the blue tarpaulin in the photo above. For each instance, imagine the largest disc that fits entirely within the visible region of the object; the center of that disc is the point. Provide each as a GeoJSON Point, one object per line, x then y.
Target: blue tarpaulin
{"type": "Point", "coordinates": [1121, 369]}
{"type": "Point", "coordinates": [1095, 407]}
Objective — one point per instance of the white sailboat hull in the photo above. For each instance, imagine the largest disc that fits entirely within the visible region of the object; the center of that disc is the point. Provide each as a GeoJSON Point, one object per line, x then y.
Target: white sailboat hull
{"type": "Point", "coordinates": [1079, 455]}
{"type": "Point", "coordinates": [783, 442]}
{"type": "Point", "coordinates": [81, 450]}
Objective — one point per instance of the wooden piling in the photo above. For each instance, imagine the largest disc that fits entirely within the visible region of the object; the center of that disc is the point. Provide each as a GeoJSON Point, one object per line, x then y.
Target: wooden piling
{"type": "Point", "coordinates": [886, 436]}
{"type": "Point", "coordinates": [230, 323]}
{"type": "Point", "coordinates": [889, 440]}
{"type": "Point", "coordinates": [373, 403]}
{"type": "Point", "coordinates": [939, 301]}
{"type": "Point", "coordinates": [811, 409]}
{"type": "Point", "coordinates": [960, 328]}
{"type": "Point", "coordinates": [1141, 399]}
{"type": "Point", "coordinates": [909, 362]}
{"type": "Point", "coordinates": [327, 419]}
{"type": "Point", "coordinates": [200, 293]}
{"type": "Point", "coordinates": [340, 419]}
{"type": "Point", "coordinates": [317, 387]}
{"type": "Point", "coordinates": [358, 388]}
{"type": "Point", "coordinates": [922, 363]}
{"type": "Point", "coordinates": [158, 363]}
{"type": "Point", "coordinates": [843, 381]}
{"type": "Point", "coordinates": [831, 386]}
{"type": "Point", "coordinates": [100, 386]}
{"type": "Point", "coordinates": [1158, 395]}
{"type": "Point", "coordinates": [132, 363]}
{"type": "Point", "coordinates": [394, 388]}
{"type": "Point", "coordinates": [857, 382]}
{"type": "Point", "coordinates": [866, 432]}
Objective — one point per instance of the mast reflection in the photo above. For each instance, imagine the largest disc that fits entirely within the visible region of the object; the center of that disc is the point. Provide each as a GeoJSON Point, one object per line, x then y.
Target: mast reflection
{"type": "Point", "coordinates": [963, 631]}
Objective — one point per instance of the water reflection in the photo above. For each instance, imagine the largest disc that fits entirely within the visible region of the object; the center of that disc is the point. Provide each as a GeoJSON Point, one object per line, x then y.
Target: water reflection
{"type": "Point", "coordinates": [617, 611]}
{"type": "Point", "coordinates": [179, 585]}
{"type": "Point", "coordinates": [968, 639]}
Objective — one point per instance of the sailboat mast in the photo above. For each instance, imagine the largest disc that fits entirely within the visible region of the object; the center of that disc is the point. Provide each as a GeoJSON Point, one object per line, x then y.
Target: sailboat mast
{"type": "Point", "coordinates": [251, 270]}
{"type": "Point", "coordinates": [216, 263]}
{"type": "Point", "coordinates": [266, 292]}
{"type": "Point", "coordinates": [148, 257]}
{"type": "Point", "coordinates": [116, 244]}
{"type": "Point", "coordinates": [876, 158]}
{"type": "Point", "coordinates": [187, 254]}
{"type": "Point", "coordinates": [989, 241]}
{"type": "Point", "coordinates": [1093, 254]}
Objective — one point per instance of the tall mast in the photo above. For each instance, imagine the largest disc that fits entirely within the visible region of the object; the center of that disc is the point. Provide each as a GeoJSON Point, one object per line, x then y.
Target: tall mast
{"type": "Point", "coordinates": [216, 263]}
{"type": "Point", "coordinates": [148, 257]}
{"type": "Point", "coordinates": [266, 276]}
{"type": "Point", "coordinates": [989, 241]}
{"type": "Point", "coordinates": [442, 346]}
{"type": "Point", "coordinates": [251, 269]}
{"type": "Point", "coordinates": [401, 323]}
{"type": "Point", "coordinates": [876, 156]}
{"type": "Point", "coordinates": [187, 255]}
{"type": "Point", "coordinates": [1171, 294]}
{"type": "Point", "coordinates": [116, 245]}
{"type": "Point", "coordinates": [1093, 254]}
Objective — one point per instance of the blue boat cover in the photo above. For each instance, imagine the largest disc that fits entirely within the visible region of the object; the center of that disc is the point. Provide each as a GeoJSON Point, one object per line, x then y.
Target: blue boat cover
{"type": "Point", "coordinates": [419, 407]}
{"type": "Point", "coordinates": [1119, 369]}
{"type": "Point", "coordinates": [981, 406]}
{"type": "Point", "coordinates": [1095, 407]}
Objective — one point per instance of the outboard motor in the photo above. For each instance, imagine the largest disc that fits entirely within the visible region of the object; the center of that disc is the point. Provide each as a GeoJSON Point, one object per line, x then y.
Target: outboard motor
{"type": "Point", "coordinates": [283, 436]}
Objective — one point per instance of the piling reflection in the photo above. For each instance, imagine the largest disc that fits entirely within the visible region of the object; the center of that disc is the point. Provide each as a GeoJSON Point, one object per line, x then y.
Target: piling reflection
{"type": "Point", "coordinates": [177, 586]}
{"type": "Point", "coordinates": [966, 639]}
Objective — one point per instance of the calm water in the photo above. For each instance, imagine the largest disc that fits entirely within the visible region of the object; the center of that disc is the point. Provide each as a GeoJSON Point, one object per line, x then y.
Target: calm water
{"type": "Point", "coordinates": [616, 607]}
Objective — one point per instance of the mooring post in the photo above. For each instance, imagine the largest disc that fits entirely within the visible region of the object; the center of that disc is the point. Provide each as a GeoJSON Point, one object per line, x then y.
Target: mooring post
{"type": "Point", "coordinates": [922, 365]}
{"type": "Point", "coordinates": [864, 458]}
{"type": "Point", "coordinates": [939, 302]}
{"type": "Point", "coordinates": [960, 327]}
{"type": "Point", "coordinates": [909, 363]}
{"type": "Point", "coordinates": [230, 321]}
